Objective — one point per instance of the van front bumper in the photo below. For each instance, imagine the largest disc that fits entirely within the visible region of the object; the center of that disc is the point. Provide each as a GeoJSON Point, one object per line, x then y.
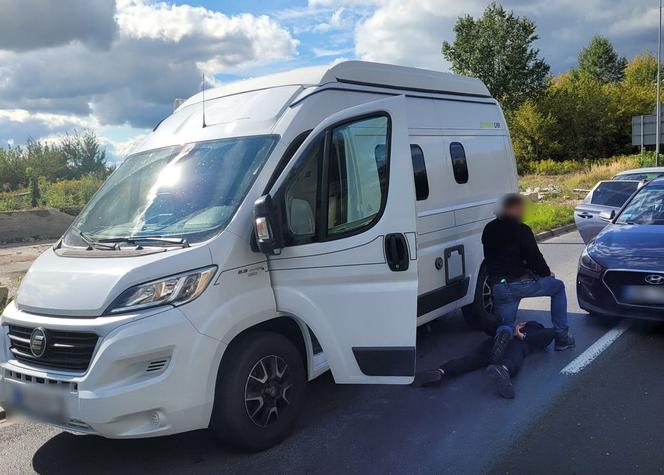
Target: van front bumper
{"type": "Point", "coordinates": [149, 375]}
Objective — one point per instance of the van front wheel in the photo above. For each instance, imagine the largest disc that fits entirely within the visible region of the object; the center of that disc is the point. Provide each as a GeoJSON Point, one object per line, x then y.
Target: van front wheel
{"type": "Point", "coordinates": [260, 390]}
{"type": "Point", "coordinates": [479, 315]}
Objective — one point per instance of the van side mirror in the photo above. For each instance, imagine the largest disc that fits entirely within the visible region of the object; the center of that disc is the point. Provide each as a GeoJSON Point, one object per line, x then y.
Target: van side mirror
{"type": "Point", "coordinates": [607, 215]}
{"type": "Point", "coordinates": [267, 226]}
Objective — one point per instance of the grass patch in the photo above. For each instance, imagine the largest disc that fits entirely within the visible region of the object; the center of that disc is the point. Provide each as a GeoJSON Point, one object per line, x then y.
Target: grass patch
{"type": "Point", "coordinates": [544, 216]}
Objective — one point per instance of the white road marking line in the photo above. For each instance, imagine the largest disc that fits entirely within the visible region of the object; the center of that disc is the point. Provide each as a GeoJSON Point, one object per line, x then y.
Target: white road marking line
{"type": "Point", "coordinates": [594, 350]}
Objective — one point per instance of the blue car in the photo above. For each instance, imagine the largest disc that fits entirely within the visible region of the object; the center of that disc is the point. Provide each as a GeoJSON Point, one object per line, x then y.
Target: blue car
{"type": "Point", "coordinates": [621, 271]}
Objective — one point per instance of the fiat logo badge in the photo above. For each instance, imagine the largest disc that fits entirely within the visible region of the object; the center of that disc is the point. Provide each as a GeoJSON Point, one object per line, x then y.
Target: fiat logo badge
{"type": "Point", "coordinates": [38, 342]}
{"type": "Point", "coordinates": [655, 279]}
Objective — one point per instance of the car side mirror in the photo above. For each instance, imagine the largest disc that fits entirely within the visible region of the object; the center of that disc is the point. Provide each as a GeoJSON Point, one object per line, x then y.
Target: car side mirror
{"type": "Point", "coordinates": [267, 226]}
{"type": "Point", "coordinates": [607, 215]}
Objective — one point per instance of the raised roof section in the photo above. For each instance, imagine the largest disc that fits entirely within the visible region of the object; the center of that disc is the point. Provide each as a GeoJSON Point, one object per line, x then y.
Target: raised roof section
{"type": "Point", "coordinates": [356, 72]}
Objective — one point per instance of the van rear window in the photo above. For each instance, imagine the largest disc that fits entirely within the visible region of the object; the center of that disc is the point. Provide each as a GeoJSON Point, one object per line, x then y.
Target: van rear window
{"type": "Point", "coordinates": [420, 173]}
{"type": "Point", "coordinates": [459, 164]}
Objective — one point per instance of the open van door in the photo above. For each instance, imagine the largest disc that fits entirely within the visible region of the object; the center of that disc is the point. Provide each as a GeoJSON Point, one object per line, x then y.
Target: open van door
{"type": "Point", "coordinates": [606, 196]}
{"type": "Point", "coordinates": [347, 263]}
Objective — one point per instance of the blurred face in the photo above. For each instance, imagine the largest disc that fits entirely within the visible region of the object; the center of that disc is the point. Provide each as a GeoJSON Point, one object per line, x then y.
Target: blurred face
{"type": "Point", "coordinates": [514, 211]}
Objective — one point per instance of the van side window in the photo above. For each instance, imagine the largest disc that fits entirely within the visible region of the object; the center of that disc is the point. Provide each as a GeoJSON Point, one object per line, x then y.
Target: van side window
{"type": "Point", "coordinates": [286, 157]}
{"type": "Point", "coordinates": [459, 164]}
{"type": "Point", "coordinates": [300, 195]}
{"type": "Point", "coordinates": [357, 175]}
{"type": "Point", "coordinates": [420, 173]}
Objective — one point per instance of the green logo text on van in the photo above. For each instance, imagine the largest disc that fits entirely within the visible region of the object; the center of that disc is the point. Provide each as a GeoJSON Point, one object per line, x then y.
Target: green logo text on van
{"type": "Point", "coordinates": [489, 125]}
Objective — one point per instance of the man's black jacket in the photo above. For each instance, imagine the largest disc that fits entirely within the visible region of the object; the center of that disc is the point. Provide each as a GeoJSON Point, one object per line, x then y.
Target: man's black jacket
{"type": "Point", "coordinates": [510, 250]}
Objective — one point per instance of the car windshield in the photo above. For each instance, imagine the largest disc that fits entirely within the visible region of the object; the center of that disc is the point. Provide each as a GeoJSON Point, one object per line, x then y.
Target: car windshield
{"type": "Point", "coordinates": [186, 191]}
{"type": "Point", "coordinates": [647, 207]}
{"type": "Point", "coordinates": [641, 176]}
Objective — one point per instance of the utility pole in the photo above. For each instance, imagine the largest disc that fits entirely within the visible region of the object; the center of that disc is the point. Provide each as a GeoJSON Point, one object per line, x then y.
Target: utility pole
{"type": "Point", "coordinates": [659, 103]}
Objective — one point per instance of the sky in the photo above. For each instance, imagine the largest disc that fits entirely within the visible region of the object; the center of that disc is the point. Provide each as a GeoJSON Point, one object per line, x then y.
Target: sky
{"type": "Point", "coordinates": [116, 66]}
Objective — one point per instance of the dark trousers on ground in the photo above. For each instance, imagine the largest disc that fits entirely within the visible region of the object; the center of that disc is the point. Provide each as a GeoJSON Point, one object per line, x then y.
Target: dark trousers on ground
{"type": "Point", "coordinates": [513, 359]}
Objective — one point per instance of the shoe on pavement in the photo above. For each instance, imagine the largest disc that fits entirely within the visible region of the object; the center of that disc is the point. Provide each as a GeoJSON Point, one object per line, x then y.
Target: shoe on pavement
{"type": "Point", "coordinates": [427, 378]}
{"type": "Point", "coordinates": [565, 342]}
{"type": "Point", "coordinates": [500, 377]}
{"type": "Point", "coordinates": [500, 345]}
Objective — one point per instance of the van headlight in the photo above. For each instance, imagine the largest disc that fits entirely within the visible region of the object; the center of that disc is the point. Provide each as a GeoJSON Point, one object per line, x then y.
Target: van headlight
{"type": "Point", "coordinates": [589, 263]}
{"type": "Point", "coordinates": [173, 290]}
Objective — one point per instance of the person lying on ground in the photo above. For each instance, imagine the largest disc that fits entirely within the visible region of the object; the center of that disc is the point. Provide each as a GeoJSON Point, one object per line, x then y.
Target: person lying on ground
{"type": "Point", "coordinates": [528, 338]}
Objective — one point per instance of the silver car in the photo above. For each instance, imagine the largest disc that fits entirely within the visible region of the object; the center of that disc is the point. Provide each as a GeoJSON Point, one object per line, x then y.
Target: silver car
{"type": "Point", "coordinates": [601, 204]}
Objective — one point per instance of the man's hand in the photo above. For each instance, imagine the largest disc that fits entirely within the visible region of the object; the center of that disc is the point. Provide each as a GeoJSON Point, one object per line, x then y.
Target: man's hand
{"type": "Point", "coordinates": [518, 330]}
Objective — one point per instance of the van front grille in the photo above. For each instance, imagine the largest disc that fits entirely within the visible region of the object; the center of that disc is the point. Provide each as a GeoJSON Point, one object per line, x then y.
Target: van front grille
{"type": "Point", "coordinates": [68, 351]}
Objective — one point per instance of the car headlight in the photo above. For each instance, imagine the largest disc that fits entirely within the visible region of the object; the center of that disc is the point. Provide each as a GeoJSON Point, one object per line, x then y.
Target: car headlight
{"type": "Point", "coordinates": [589, 263]}
{"type": "Point", "coordinates": [173, 290]}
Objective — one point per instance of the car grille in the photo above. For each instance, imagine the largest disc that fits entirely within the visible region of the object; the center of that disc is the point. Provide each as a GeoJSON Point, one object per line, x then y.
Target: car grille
{"type": "Point", "coordinates": [632, 288]}
{"type": "Point", "coordinates": [69, 351]}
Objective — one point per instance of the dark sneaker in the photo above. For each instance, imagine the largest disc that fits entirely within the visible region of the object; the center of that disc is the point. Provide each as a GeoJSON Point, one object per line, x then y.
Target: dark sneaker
{"type": "Point", "coordinates": [501, 380]}
{"type": "Point", "coordinates": [426, 378]}
{"type": "Point", "coordinates": [565, 342]}
{"type": "Point", "coordinates": [500, 345]}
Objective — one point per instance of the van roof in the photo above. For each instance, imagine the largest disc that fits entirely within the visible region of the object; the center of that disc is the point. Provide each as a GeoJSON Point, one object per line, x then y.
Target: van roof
{"type": "Point", "coordinates": [359, 73]}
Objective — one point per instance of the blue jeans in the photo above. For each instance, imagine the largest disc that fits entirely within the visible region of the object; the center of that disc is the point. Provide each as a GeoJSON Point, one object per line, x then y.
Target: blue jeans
{"type": "Point", "coordinates": [507, 296]}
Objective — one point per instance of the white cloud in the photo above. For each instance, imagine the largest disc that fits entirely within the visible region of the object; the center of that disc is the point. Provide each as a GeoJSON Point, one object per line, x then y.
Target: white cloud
{"type": "Point", "coordinates": [31, 24]}
{"type": "Point", "coordinates": [159, 52]}
{"type": "Point", "coordinates": [323, 52]}
{"type": "Point", "coordinates": [338, 20]}
{"type": "Point", "coordinates": [411, 33]}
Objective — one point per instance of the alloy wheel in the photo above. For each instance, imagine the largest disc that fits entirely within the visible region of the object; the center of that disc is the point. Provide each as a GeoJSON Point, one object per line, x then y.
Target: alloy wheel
{"type": "Point", "coordinates": [266, 390]}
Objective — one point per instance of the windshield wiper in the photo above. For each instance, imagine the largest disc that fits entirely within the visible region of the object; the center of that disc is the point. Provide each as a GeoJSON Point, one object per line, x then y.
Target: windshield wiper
{"type": "Point", "coordinates": [94, 244]}
{"type": "Point", "coordinates": [174, 241]}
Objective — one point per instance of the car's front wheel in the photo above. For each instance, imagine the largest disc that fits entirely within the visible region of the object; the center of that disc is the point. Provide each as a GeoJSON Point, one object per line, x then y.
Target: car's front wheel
{"type": "Point", "coordinates": [480, 315]}
{"type": "Point", "coordinates": [260, 391]}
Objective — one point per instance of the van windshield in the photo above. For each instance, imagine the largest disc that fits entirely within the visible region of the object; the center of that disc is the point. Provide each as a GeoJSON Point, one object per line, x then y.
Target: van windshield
{"type": "Point", "coordinates": [186, 191]}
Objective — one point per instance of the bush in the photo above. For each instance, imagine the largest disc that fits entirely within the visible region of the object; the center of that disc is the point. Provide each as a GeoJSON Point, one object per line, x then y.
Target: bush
{"type": "Point", "coordinates": [68, 194]}
{"type": "Point", "coordinates": [545, 216]}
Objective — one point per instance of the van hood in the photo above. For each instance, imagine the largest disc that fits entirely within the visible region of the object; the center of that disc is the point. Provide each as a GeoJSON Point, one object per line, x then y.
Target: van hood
{"type": "Point", "coordinates": [86, 286]}
{"type": "Point", "coordinates": [629, 246]}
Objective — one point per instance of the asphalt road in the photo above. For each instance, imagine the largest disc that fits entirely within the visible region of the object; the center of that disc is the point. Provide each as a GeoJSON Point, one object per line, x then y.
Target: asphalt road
{"type": "Point", "coordinates": [603, 419]}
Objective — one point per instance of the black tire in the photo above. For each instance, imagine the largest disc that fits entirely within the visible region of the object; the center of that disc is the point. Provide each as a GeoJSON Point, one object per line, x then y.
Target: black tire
{"type": "Point", "coordinates": [241, 393]}
{"type": "Point", "coordinates": [479, 314]}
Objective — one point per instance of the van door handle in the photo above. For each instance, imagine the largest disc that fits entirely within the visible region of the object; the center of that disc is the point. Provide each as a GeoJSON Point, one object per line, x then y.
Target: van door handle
{"type": "Point", "coordinates": [584, 215]}
{"type": "Point", "coordinates": [396, 252]}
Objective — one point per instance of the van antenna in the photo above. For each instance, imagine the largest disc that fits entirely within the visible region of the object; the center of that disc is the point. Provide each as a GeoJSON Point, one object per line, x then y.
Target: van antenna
{"type": "Point", "coordinates": [204, 124]}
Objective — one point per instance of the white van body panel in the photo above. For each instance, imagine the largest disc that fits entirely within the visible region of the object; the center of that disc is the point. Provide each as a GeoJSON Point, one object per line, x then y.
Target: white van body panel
{"type": "Point", "coordinates": [117, 398]}
{"type": "Point", "coordinates": [46, 288]}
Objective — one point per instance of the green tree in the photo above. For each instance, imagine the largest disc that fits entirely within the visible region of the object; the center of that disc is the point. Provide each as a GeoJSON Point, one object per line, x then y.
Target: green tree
{"type": "Point", "coordinates": [33, 187]}
{"type": "Point", "coordinates": [498, 49]}
{"type": "Point", "coordinates": [83, 153]}
{"type": "Point", "coordinates": [534, 133]}
{"type": "Point", "coordinates": [600, 61]}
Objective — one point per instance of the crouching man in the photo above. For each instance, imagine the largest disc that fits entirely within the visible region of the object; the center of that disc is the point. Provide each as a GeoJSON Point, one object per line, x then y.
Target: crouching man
{"type": "Point", "coordinates": [517, 270]}
{"type": "Point", "coordinates": [528, 338]}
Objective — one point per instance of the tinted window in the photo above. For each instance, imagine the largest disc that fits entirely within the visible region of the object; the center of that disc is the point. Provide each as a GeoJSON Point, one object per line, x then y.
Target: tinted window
{"type": "Point", "coordinates": [459, 164]}
{"type": "Point", "coordinates": [300, 195]}
{"type": "Point", "coordinates": [613, 193]}
{"type": "Point", "coordinates": [357, 172]}
{"type": "Point", "coordinates": [420, 173]}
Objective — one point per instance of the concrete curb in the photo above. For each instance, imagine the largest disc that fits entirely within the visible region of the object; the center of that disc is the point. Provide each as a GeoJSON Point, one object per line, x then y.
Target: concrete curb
{"type": "Point", "coordinates": [543, 236]}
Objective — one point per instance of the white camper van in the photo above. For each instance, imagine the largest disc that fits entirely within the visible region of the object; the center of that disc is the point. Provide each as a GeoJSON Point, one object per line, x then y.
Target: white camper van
{"type": "Point", "coordinates": [265, 232]}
